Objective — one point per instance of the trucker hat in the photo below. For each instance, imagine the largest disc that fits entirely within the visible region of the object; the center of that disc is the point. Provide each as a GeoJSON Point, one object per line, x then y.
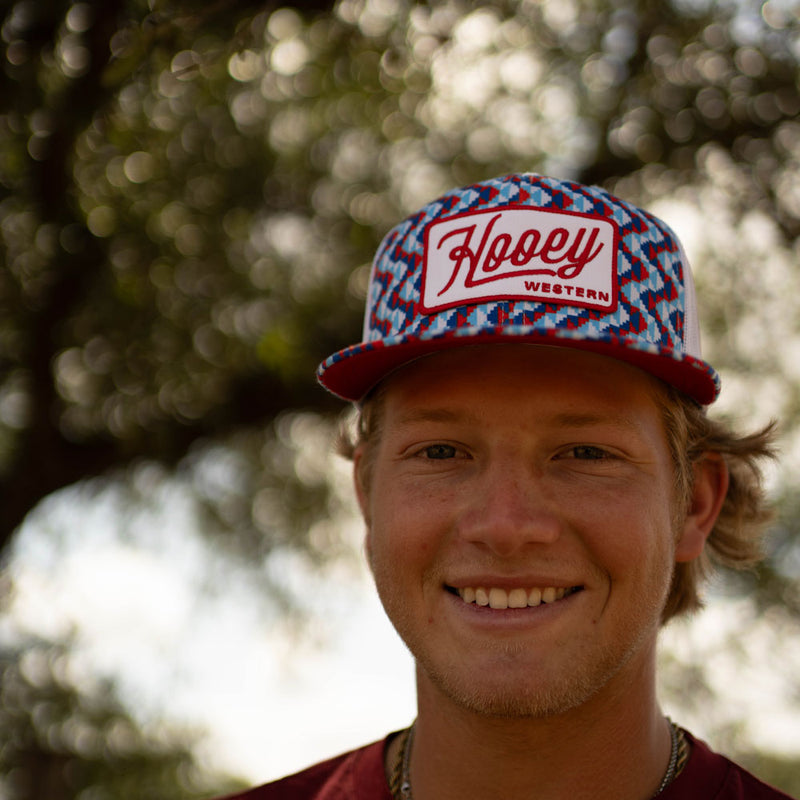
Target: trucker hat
{"type": "Point", "coordinates": [526, 258]}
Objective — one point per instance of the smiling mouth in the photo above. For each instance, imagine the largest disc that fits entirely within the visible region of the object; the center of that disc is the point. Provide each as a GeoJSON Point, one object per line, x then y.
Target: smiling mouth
{"type": "Point", "coordinates": [498, 598]}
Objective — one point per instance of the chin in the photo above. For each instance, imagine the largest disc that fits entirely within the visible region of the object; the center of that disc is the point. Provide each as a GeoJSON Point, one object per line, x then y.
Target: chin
{"type": "Point", "coordinates": [515, 689]}
{"type": "Point", "coordinates": [510, 700]}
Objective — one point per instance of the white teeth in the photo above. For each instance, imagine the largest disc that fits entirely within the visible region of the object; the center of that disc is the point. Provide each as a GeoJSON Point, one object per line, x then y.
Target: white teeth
{"type": "Point", "coordinates": [495, 597]}
{"type": "Point", "coordinates": [498, 598]}
{"type": "Point", "coordinates": [517, 598]}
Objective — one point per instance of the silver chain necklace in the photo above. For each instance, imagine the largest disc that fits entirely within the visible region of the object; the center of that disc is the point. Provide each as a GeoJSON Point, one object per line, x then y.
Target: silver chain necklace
{"type": "Point", "coordinates": [669, 775]}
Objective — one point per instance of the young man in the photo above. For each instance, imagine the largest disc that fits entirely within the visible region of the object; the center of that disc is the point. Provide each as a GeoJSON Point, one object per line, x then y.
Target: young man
{"type": "Point", "coordinates": [542, 491]}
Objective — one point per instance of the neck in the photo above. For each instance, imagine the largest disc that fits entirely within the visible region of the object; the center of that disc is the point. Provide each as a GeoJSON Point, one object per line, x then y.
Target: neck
{"type": "Point", "coordinates": [614, 747]}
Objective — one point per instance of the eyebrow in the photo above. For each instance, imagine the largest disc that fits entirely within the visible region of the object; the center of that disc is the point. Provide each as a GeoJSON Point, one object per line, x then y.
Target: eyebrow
{"type": "Point", "coordinates": [559, 420]}
{"type": "Point", "coordinates": [436, 415]}
{"type": "Point", "coordinates": [586, 420]}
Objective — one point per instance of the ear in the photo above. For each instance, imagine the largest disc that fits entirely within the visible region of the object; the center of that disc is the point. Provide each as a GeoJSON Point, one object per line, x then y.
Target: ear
{"type": "Point", "coordinates": [362, 495]}
{"type": "Point", "coordinates": [707, 496]}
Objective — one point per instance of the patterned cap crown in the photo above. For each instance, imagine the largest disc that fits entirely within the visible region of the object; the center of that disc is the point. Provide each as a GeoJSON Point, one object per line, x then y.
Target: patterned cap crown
{"type": "Point", "coordinates": [529, 259]}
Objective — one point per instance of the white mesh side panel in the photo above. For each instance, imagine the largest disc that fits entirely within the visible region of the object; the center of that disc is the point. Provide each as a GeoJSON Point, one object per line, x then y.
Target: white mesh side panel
{"type": "Point", "coordinates": [691, 329]}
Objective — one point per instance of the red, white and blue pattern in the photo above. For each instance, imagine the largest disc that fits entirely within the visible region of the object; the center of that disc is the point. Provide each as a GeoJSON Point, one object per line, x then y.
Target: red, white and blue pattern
{"type": "Point", "coordinates": [526, 277]}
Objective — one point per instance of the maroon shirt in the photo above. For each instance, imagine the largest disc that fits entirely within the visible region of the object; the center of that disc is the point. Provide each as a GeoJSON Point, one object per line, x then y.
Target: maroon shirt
{"type": "Point", "coordinates": [359, 775]}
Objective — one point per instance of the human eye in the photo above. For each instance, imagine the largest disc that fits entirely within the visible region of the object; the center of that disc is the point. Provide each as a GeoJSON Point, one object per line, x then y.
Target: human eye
{"type": "Point", "coordinates": [439, 452]}
{"type": "Point", "coordinates": [588, 452]}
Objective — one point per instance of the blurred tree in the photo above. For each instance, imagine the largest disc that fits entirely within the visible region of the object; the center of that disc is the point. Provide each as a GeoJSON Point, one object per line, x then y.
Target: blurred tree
{"type": "Point", "coordinates": [62, 742]}
{"type": "Point", "coordinates": [189, 199]}
{"type": "Point", "coordinates": [170, 328]}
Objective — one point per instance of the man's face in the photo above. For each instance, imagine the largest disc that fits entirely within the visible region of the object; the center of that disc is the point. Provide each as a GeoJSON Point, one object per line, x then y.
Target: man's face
{"type": "Point", "coordinates": [523, 476]}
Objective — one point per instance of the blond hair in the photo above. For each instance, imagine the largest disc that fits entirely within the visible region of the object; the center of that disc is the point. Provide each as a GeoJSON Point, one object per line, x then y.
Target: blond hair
{"type": "Point", "coordinates": [736, 541]}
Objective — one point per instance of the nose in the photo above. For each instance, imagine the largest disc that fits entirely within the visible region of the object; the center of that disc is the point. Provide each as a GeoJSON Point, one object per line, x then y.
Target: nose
{"type": "Point", "coordinates": [508, 510]}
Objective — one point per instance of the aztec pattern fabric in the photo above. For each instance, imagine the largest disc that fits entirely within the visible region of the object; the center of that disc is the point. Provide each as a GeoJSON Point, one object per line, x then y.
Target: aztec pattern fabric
{"type": "Point", "coordinates": [534, 259]}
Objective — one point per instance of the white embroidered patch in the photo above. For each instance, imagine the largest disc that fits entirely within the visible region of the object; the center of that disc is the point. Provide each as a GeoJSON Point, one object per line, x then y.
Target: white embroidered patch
{"type": "Point", "coordinates": [520, 253]}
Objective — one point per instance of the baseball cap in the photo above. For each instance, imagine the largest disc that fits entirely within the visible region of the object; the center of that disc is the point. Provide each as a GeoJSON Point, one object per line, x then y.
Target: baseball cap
{"type": "Point", "coordinates": [526, 258]}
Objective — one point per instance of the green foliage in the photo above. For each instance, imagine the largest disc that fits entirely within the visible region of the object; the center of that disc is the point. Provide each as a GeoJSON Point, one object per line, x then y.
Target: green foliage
{"type": "Point", "coordinates": [62, 742]}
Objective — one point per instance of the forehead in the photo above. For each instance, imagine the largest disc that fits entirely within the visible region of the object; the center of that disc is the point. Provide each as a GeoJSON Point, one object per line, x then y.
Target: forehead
{"type": "Point", "coordinates": [518, 379]}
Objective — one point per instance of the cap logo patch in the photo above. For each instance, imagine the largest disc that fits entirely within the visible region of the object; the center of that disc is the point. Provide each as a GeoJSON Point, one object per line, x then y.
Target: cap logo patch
{"type": "Point", "coordinates": [520, 253]}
